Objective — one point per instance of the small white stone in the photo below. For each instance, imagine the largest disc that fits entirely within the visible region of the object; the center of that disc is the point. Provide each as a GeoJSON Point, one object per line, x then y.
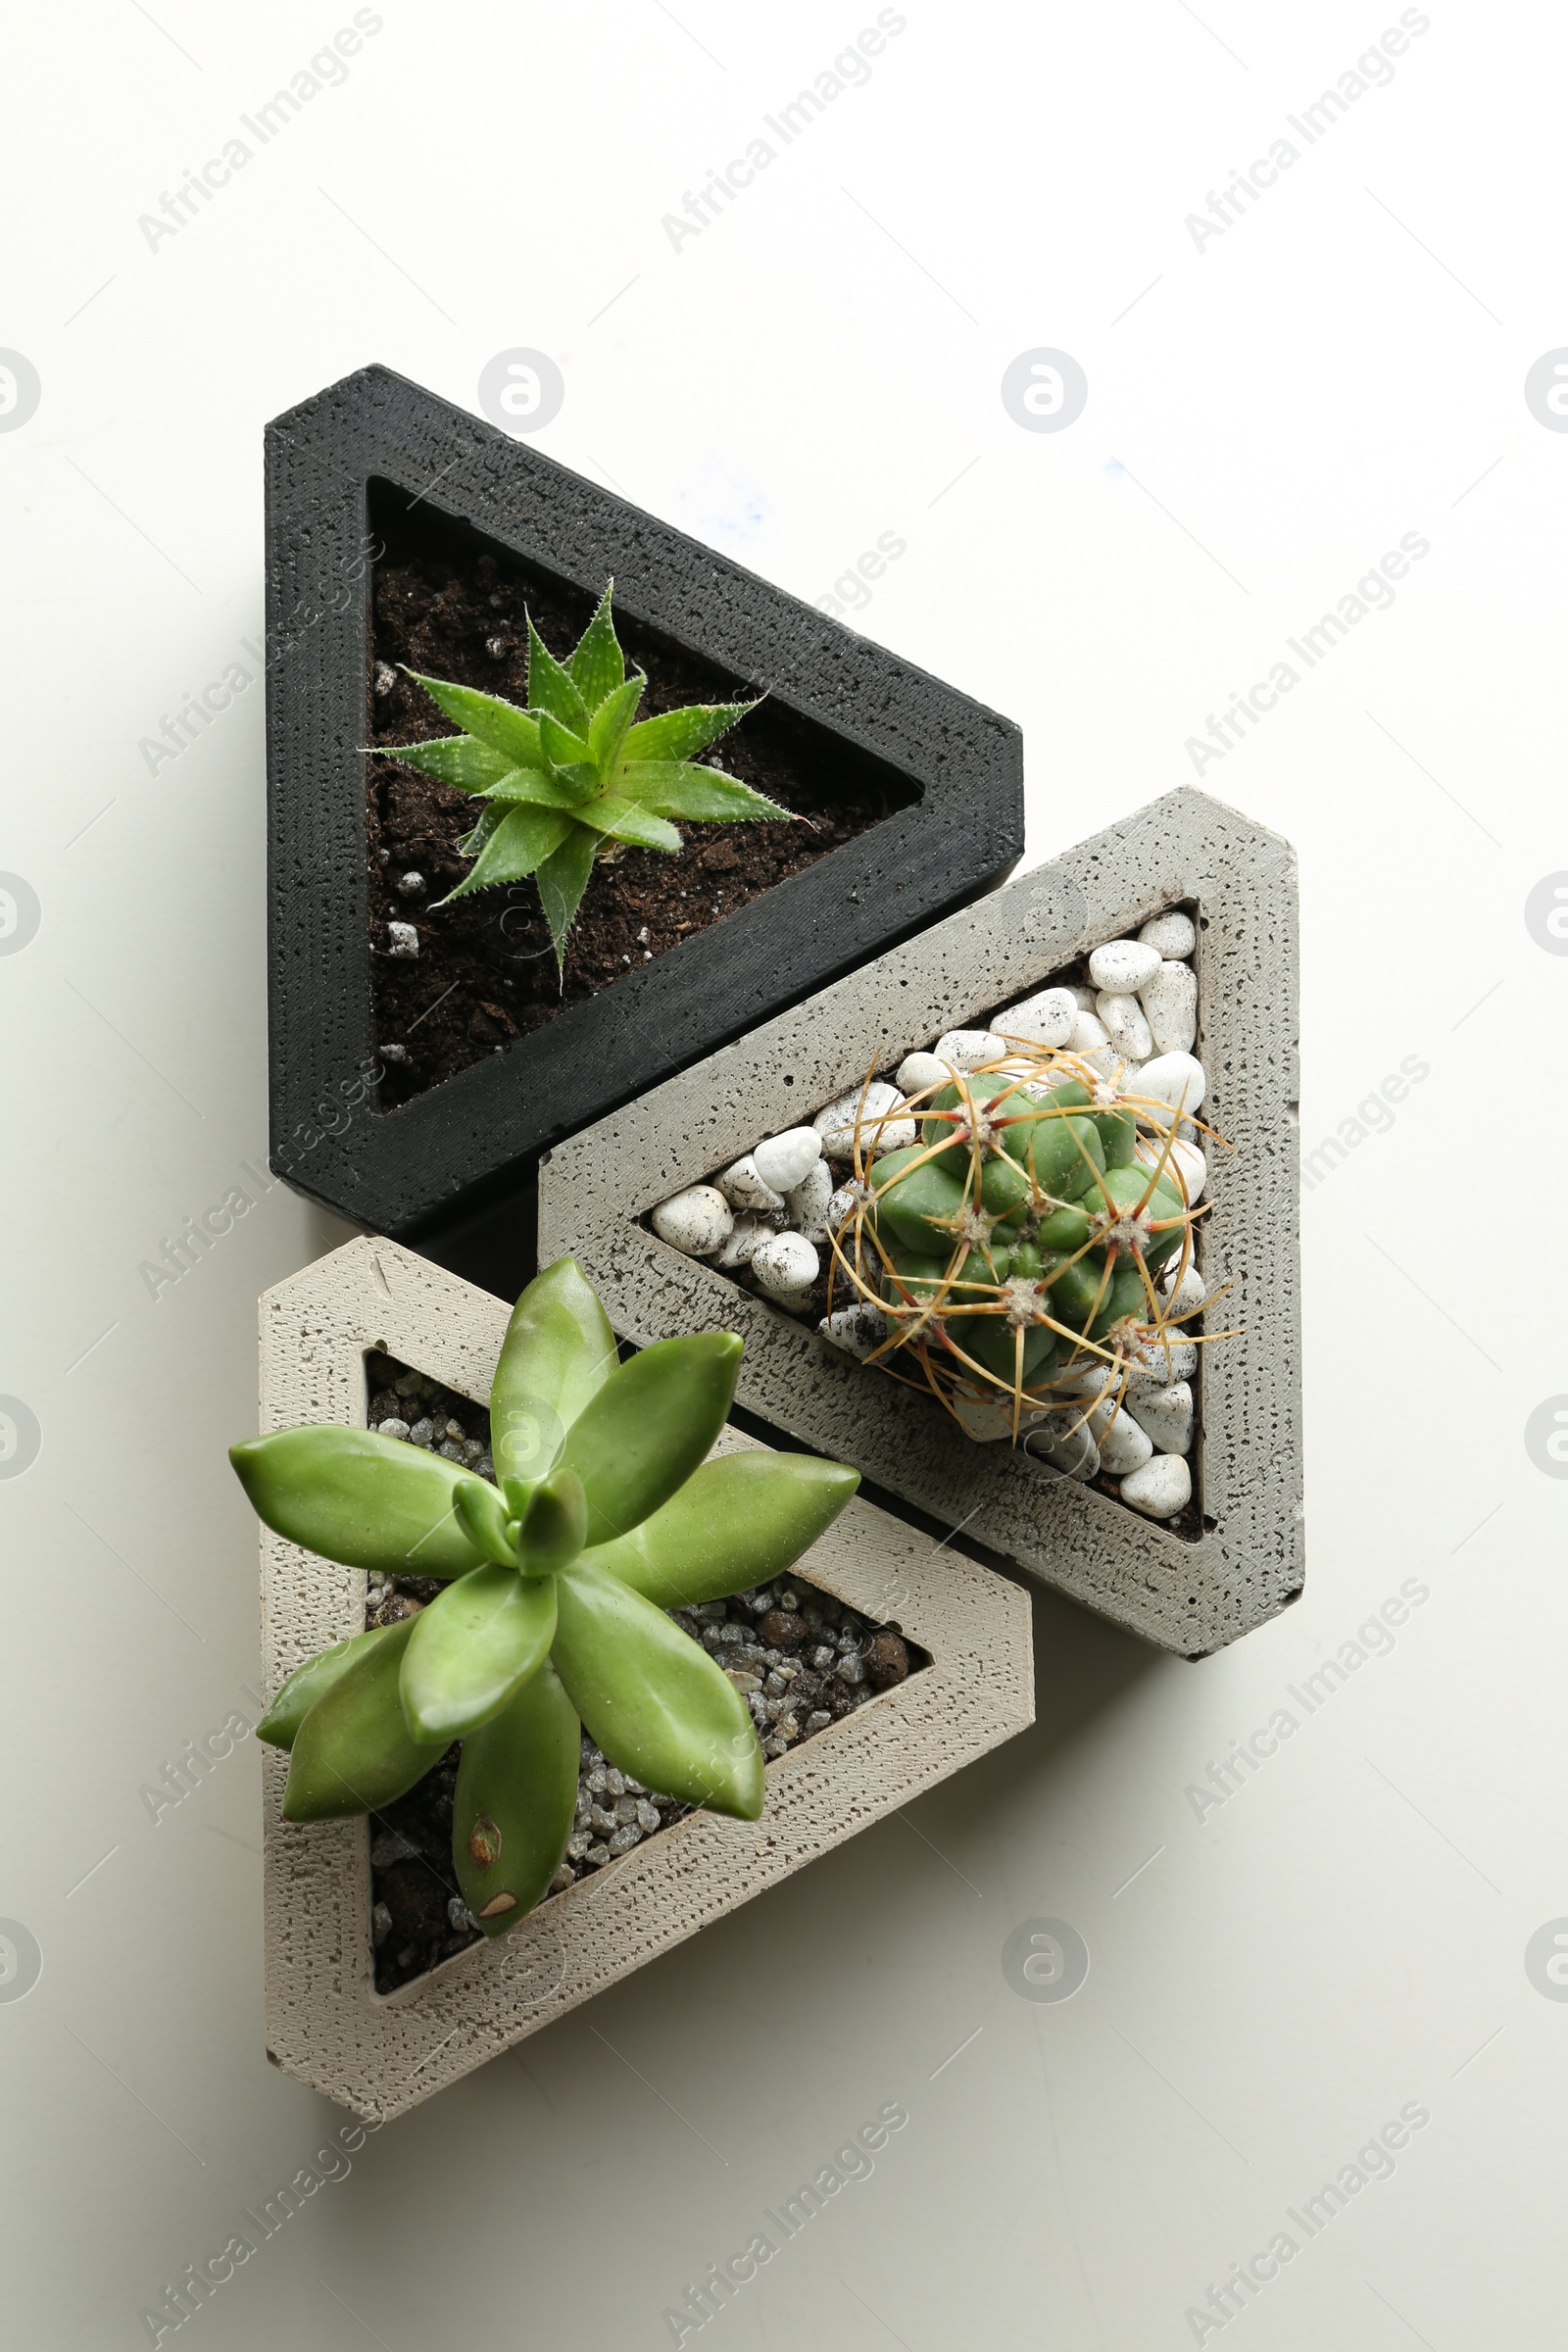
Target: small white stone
{"type": "Point", "coordinates": [1123, 1446]}
{"type": "Point", "coordinates": [857, 1330]}
{"type": "Point", "coordinates": [842, 1204]}
{"type": "Point", "coordinates": [784, 1159]}
{"type": "Point", "coordinates": [403, 939]}
{"type": "Point", "coordinates": [1160, 1488]}
{"type": "Point", "coordinates": [786, 1265]}
{"type": "Point", "coordinates": [879, 1132]}
{"type": "Point", "coordinates": [697, 1221]}
{"type": "Point", "coordinates": [1088, 1035]}
{"type": "Point", "coordinates": [1159, 1364]}
{"type": "Point", "coordinates": [1170, 1006]}
{"type": "Point", "coordinates": [1046, 1019]}
{"type": "Point", "coordinates": [968, 1049]}
{"type": "Point", "coordinates": [1176, 1079]}
{"type": "Point", "coordinates": [1179, 1156]}
{"type": "Point", "coordinates": [742, 1188]}
{"type": "Point", "coordinates": [1082, 997]}
{"type": "Point", "coordinates": [1172, 934]}
{"type": "Point", "coordinates": [920, 1071]}
{"type": "Point", "coordinates": [740, 1248]}
{"type": "Point", "coordinates": [1167, 1416]}
{"type": "Point", "coordinates": [806, 1202]}
{"type": "Point", "coordinates": [1122, 1019]}
{"type": "Point", "coordinates": [1061, 1439]}
{"type": "Point", "coordinates": [411, 885]}
{"type": "Point", "coordinates": [1121, 968]}
{"type": "Point", "coordinates": [1183, 1296]}
{"type": "Point", "coordinates": [985, 1419]}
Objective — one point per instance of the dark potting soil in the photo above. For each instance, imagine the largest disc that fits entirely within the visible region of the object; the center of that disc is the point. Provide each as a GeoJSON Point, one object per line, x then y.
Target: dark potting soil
{"type": "Point", "coordinates": [451, 605]}
{"type": "Point", "coordinates": [803, 1659]}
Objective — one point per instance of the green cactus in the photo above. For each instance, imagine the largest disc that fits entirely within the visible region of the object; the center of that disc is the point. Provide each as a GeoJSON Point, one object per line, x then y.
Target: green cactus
{"type": "Point", "coordinates": [1018, 1242]}
{"type": "Point", "coordinates": [577, 776]}
{"type": "Point", "coordinates": [557, 1582]}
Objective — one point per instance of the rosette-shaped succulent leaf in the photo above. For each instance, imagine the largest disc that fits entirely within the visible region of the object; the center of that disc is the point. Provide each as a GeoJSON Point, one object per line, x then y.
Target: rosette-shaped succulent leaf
{"type": "Point", "coordinates": [577, 776]}
{"type": "Point", "coordinates": [606, 1515]}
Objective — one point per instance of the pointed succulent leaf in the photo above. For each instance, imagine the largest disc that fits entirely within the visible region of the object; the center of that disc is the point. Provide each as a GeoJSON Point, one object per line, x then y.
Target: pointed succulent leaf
{"type": "Point", "coordinates": [459, 759]}
{"type": "Point", "coordinates": [651, 1698]}
{"type": "Point", "coordinates": [705, 794]}
{"type": "Point", "coordinates": [557, 1353]}
{"type": "Point", "coordinates": [551, 688]}
{"type": "Point", "coordinates": [649, 1426]}
{"type": "Point", "coordinates": [513, 1809]}
{"type": "Point", "coordinates": [490, 816]}
{"type": "Point", "coordinates": [561, 747]}
{"type": "Point", "coordinates": [607, 729]}
{"type": "Point", "coordinates": [472, 1650]}
{"type": "Point", "coordinates": [597, 664]}
{"type": "Point", "coordinates": [679, 734]}
{"type": "Point", "coordinates": [551, 1531]}
{"type": "Point", "coordinates": [537, 788]}
{"type": "Point", "coordinates": [486, 1520]}
{"type": "Point", "coordinates": [352, 1752]}
{"type": "Point", "coordinates": [353, 1495]}
{"type": "Point", "coordinates": [493, 721]}
{"type": "Point", "coordinates": [524, 840]}
{"type": "Point", "coordinates": [311, 1682]}
{"type": "Point", "coordinates": [738, 1521]}
{"type": "Point", "coordinates": [623, 821]}
{"type": "Point", "coordinates": [562, 880]}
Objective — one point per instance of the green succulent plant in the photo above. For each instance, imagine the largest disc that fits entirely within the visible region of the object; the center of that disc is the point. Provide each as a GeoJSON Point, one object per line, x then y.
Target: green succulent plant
{"type": "Point", "coordinates": [577, 776]}
{"type": "Point", "coordinates": [606, 1514]}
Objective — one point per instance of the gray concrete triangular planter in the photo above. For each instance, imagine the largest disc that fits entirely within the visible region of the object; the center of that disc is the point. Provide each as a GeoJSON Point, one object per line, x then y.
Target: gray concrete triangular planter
{"type": "Point", "coordinates": [380, 2056]}
{"type": "Point", "coordinates": [1239, 882]}
{"type": "Point", "coordinates": [959, 767]}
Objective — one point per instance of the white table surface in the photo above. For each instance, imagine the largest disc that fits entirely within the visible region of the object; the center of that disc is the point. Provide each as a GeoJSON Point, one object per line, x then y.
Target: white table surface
{"type": "Point", "coordinates": [1269, 410]}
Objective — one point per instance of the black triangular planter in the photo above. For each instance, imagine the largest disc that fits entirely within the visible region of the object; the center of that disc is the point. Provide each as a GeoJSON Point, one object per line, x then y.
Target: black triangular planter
{"type": "Point", "coordinates": [477, 1134]}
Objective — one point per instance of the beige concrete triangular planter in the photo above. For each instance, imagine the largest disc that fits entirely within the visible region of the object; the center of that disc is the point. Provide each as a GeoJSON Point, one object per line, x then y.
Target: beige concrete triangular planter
{"type": "Point", "coordinates": [1238, 881]}
{"type": "Point", "coordinates": [324, 2021]}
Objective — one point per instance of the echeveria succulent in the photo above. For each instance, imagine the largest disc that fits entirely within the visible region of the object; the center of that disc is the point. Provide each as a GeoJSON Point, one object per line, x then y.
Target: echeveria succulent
{"type": "Point", "coordinates": [577, 776]}
{"type": "Point", "coordinates": [606, 1514]}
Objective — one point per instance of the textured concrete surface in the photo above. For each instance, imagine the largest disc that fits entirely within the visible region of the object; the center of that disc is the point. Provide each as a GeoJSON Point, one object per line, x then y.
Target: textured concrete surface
{"type": "Point", "coordinates": [1239, 880]}
{"type": "Point", "coordinates": [963, 833]}
{"type": "Point", "coordinates": [325, 2022]}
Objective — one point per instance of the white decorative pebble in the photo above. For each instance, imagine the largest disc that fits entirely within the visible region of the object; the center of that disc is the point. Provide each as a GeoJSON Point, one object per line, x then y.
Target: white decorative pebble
{"type": "Point", "coordinates": [806, 1202]}
{"type": "Point", "coordinates": [402, 939]}
{"type": "Point", "coordinates": [1121, 968]}
{"type": "Point", "coordinates": [741, 1245]}
{"type": "Point", "coordinates": [697, 1220]}
{"type": "Point", "coordinates": [1082, 997]}
{"type": "Point", "coordinates": [968, 1049]}
{"type": "Point", "coordinates": [1123, 1446]}
{"type": "Point", "coordinates": [981, 1419]}
{"type": "Point", "coordinates": [1121, 1017]}
{"type": "Point", "coordinates": [1183, 1296]}
{"type": "Point", "coordinates": [857, 1330]}
{"type": "Point", "coordinates": [1160, 1488]}
{"type": "Point", "coordinates": [786, 1265]}
{"type": "Point", "coordinates": [1177, 1156]}
{"type": "Point", "coordinates": [783, 1160]}
{"type": "Point", "coordinates": [1172, 934]}
{"type": "Point", "coordinates": [1046, 1019]}
{"type": "Point", "coordinates": [1176, 1079]}
{"type": "Point", "coordinates": [1160, 1363]}
{"type": "Point", "coordinates": [1167, 1416]}
{"type": "Point", "coordinates": [840, 1205]}
{"type": "Point", "coordinates": [879, 1132]}
{"type": "Point", "coordinates": [1170, 1008]}
{"type": "Point", "coordinates": [1088, 1035]}
{"type": "Point", "coordinates": [919, 1071]}
{"type": "Point", "coordinates": [1062, 1440]}
{"type": "Point", "coordinates": [742, 1188]}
